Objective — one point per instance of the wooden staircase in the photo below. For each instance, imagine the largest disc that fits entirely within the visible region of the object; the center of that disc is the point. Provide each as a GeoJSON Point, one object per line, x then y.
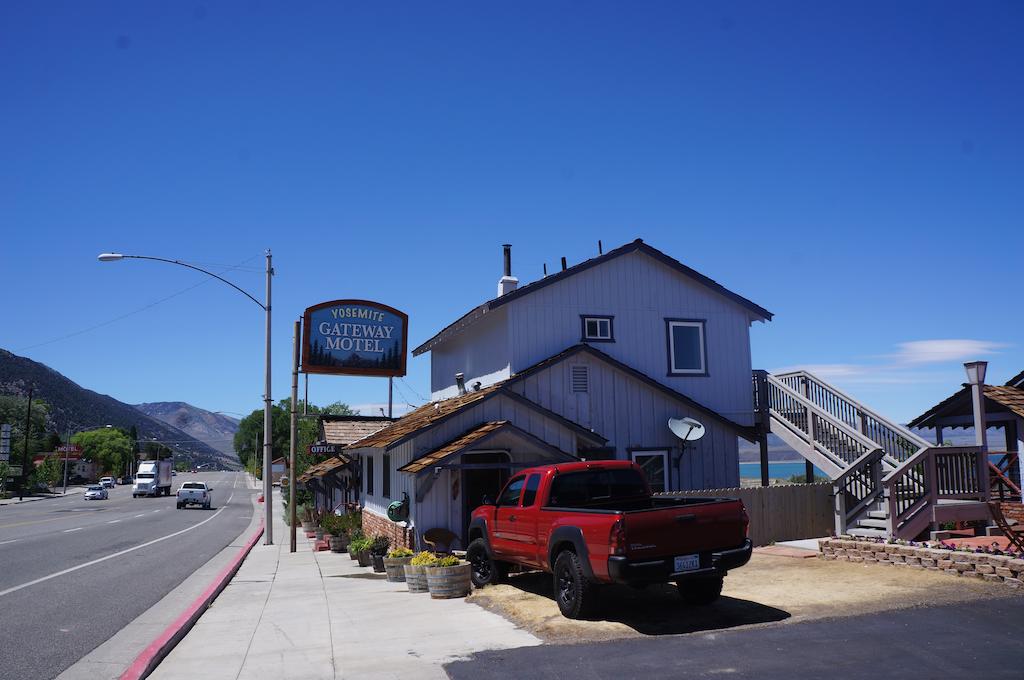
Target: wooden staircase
{"type": "Point", "coordinates": [887, 481]}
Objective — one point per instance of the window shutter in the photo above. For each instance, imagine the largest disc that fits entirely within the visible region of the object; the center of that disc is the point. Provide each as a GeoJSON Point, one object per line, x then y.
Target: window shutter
{"type": "Point", "coordinates": [580, 378]}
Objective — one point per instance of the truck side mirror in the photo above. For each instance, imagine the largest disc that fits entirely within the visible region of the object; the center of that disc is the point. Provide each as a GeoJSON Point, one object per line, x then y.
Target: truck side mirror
{"type": "Point", "coordinates": [486, 500]}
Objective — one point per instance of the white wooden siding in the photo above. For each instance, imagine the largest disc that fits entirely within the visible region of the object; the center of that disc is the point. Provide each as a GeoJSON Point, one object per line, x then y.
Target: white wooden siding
{"type": "Point", "coordinates": [480, 352]}
{"type": "Point", "coordinates": [641, 293]}
{"type": "Point", "coordinates": [634, 415]}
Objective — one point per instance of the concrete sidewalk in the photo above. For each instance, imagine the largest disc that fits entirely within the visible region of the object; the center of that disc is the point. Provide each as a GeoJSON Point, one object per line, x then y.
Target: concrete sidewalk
{"type": "Point", "coordinates": [319, 615]}
{"type": "Point", "coordinates": [72, 490]}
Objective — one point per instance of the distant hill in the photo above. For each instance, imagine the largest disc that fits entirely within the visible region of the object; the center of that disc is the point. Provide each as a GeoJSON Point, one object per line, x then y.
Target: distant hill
{"type": "Point", "coordinates": [215, 429]}
{"type": "Point", "coordinates": [72, 404]}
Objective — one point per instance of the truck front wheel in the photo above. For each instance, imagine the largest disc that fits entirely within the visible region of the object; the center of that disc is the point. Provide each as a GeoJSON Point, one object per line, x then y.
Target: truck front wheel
{"type": "Point", "coordinates": [486, 571]}
{"type": "Point", "coordinates": [574, 592]}
{"type": "Point", "coordinates": [700, 591]}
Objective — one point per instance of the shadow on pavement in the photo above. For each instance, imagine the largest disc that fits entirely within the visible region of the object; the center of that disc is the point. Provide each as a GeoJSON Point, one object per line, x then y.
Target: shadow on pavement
{"type": "Point", "coordinates": [657, 609]}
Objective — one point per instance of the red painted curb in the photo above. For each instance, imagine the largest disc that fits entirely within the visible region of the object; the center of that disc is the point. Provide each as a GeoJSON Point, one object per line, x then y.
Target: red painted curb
{"type": "Point", "coordinates": [153, 654]}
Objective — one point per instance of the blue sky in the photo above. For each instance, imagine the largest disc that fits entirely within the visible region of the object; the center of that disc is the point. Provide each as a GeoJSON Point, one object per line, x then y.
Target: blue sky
{"type": "Point", "coordinates": [853, 167]}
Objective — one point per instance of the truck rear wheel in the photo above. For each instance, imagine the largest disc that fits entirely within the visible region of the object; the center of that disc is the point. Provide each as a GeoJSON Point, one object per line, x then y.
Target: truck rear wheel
{"type": "Point", "coordinates": [574, 592]}
{"type": "Point", "coordinates": [700, 591]}
{"type": "Point", "coordinates": [485, 571]}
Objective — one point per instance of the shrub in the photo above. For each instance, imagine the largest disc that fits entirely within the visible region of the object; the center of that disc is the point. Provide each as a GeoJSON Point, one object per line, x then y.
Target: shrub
{"type": "Point", "coordinates": [424, 559]}
{"type": "Point", "coordinates": [334, 525]}
{"type": "Point", "coordinates": [447, 561]}
{"type": "Point", "coordinates": [380, 545]}
{"type": "Point", "coordinates": [399, 553]}
{"type": "Point", "coordinates": [360, 544]}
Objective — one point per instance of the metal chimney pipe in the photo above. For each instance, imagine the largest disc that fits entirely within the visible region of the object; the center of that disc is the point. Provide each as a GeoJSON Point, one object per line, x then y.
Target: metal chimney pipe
{"type": "Point", "coordinates": [545, 269]}
{"type": "Point", "coordinates": [508, 259]}
{"type": "Point", "coordinates": [600, 249]}
{"type": "Point", "coordinates": [563, 264]}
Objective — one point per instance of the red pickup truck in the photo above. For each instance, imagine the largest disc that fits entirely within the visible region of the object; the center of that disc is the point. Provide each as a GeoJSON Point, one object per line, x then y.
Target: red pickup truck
{"type": "Point", "coordinates": [597, 522]}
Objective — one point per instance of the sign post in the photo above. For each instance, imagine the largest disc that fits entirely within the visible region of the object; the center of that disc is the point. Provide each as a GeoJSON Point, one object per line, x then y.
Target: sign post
{"type": "Point", "coordinates": [5, 442]}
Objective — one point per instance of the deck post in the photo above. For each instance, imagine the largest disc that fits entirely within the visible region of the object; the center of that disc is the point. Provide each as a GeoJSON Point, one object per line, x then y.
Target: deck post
{"type": "Point", "coordinates": [763, 443]}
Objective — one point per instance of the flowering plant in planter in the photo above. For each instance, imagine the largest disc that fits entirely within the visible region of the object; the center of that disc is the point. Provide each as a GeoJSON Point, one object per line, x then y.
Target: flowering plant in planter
{"type": "Point", "coordinates": [361, 547]}
{"type": "Point", "coordinates": [394, 564]}
{"type": "Point", "coordinates": [449, 577]}
{"type": "Point", "coordinates": [415, 571]}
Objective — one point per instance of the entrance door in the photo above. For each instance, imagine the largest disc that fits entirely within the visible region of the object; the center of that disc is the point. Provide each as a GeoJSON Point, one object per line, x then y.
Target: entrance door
{"type": "Point", "coordinates": [654, 463]}
{"type": "Point", "coordinates": [480, 482]}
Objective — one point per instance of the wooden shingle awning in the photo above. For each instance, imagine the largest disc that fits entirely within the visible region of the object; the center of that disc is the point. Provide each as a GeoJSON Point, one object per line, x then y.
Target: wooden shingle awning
{"type": "Point", "coordinates": [324, 467]}
{"type": "Point", "coordinates": [475, 438]}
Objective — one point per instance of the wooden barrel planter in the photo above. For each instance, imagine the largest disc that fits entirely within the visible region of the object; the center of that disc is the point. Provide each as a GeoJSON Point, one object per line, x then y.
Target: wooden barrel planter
{"type": "Point", "coordinates": [448, 582]}
{"type": "Point", "coordinates": [351, 552]}
{"type": "Point", "coordinates": [394, 567]}
{"type": "Point", "coordinates": [416, 578]}
{"type": "Point", "coordinates": [339, 543]}
{"type": "Point", "coordinates": [364, 558]}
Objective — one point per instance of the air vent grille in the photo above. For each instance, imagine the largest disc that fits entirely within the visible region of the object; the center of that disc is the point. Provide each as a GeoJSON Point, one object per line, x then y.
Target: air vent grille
{"type": "Point", "coordinates": [580, 378]}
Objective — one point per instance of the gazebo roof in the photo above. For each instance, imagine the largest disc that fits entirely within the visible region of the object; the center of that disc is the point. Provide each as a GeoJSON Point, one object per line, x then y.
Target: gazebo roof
{"type": "Point", "coordinates": [998, 399]}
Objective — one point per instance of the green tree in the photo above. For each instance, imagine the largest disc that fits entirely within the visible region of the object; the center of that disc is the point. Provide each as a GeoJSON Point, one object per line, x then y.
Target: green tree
{"type": "Point", "coordinates": [249, 437]}
{"type": "Point", "coordinates": [50, 471]}
{"type": "Point", "coordinates": [107, 447]}
{"type": "Point", "coordinates": [12, 412]}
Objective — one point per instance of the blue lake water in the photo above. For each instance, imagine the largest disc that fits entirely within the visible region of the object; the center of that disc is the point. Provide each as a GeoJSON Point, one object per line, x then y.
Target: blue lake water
{"type": "Point", "coordinates": [775, 470]}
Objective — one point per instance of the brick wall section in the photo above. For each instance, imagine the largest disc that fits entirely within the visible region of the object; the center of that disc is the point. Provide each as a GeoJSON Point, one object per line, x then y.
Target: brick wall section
{"type": "Point", "coordinates": [1013, 511]}
{"type": "Point", "coordinates": [994, 568]}
{"type": "Point", "coordinates": [375, 525]}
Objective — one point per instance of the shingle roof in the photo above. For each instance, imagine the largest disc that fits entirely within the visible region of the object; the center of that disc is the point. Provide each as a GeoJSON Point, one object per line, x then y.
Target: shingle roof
{"type": "Point", "coordinates": [635, 246]}
{"type": "Point", "coordinates": [454, 446]}
{"type": "Point", "coordinates": [1017, 380]}
{"type": "Point", "coordinates": [422, 417]}
{"type": "Point", "coordinates": [1010, 398]}
{"type": "Point", "coordinates": [347, 429]}
{"type": "Point", "coordinates": [323, 467]}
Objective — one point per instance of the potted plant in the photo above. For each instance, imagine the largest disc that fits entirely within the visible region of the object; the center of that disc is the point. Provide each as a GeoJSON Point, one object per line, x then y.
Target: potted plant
{"type": "Point", "coordinates": [335, 526]}
{"type": "Point", "coordinates": [394, 564]}
{"type": "Point", "coordinates": [305, 516]}
{"type": "Point", "coordinates": [378, 549]}
{"type": "Point", "coordinates": [353, 539]}
{"type": "Point", "coordinates": [361, 547]}
{"type": "Point", "coordinates": [449, 577]}
{"type": "Point", "coordinates": [415, 571]}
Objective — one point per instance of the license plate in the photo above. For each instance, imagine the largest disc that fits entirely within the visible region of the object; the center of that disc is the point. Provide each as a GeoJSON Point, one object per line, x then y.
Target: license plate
{"type": "Point", "coordinates": [687, 563]}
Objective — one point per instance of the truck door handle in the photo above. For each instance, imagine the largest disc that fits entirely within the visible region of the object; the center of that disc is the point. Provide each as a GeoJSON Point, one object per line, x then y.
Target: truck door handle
{"type": "Point", "coordinates": [685, 518]}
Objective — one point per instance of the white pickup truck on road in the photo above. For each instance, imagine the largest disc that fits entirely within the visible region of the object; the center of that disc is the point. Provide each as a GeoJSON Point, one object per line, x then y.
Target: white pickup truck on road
{"type": "Point", "coordinates": [194, 493]}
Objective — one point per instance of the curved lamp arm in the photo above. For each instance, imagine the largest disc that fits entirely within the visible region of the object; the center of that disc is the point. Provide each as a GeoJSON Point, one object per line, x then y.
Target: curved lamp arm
{"type": "Point", "coordinates": [113, 257]}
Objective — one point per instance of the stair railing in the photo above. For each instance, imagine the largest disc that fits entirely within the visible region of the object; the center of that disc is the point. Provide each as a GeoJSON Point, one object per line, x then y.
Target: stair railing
{"type": "Point", "coordinates": [898, 442]}
{"type": "Point", "coordinates": [857, 488]}
{"type": "Point", "coordinates": [834, 440]}
{"type": "Point", "coordinates": [932, 474]}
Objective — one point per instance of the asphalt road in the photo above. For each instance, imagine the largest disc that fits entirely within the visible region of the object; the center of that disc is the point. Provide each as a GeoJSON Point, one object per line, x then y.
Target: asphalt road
{"type": "Point", "coordinates": [977, 640]}
{"type": "Point", "coordinates": [74, 572]}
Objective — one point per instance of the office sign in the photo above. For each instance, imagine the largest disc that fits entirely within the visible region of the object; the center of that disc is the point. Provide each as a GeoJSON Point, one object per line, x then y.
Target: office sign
{"type": "Point", "coordinates": [354, 337]}
{"type": "Point", "coordinates": [324, 450]}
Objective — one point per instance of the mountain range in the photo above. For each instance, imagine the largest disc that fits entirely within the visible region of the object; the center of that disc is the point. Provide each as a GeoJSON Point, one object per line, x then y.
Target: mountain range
{"type": "Point", "coordinates": [72, 405]}
{"type": "Point", "coordinates": [215, 429]}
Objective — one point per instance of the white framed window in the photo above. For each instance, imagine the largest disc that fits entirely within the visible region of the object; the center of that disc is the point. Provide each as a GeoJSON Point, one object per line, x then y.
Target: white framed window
{"type": "Point", "coordinates": [654, 463]}
{"type": "Point", "coordinates": [596, 328]}
{"type": "Point", "coordinates": [687, 347]}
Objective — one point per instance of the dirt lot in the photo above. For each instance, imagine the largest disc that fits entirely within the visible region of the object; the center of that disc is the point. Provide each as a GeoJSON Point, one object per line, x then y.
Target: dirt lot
{"type": "Point", "coordinates": [769, 589]}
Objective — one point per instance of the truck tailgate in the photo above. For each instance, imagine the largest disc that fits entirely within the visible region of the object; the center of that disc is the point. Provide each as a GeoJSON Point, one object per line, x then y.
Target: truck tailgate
{"type": "Point", "coordinates": [700, 526]}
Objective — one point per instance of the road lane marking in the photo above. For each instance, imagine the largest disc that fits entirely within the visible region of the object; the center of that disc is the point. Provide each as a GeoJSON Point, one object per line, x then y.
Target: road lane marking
{"type": "Point", "coordinates": [113, 521]}
{"type": "Point", "coordinates": [69, 570]}
{"type": "Point", "coordinates": [142, 515]}
{"type": "Point", "coordinates": [68, 531]}
{"type": "Point", "coordinates": [10, 541]}
{"type": "Point", "coordinates": [156, 511]}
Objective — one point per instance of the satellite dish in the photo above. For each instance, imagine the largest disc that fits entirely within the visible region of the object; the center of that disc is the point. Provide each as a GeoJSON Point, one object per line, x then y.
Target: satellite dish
{"type": "Point", "coordinates": [687, 429]}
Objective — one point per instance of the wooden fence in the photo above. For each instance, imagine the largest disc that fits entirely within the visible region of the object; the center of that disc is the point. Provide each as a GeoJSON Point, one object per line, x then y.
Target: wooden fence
{"type": "Point", "coordinates": [781, 513]}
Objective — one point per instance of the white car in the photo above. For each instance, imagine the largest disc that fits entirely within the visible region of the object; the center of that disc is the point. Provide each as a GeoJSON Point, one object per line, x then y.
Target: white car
{"type": "Point", "coordinates": [95, 492]}
{"type": "Point", "coordinates": [107, 482]}
{"type": "Point", "coordinates": [194, 493]}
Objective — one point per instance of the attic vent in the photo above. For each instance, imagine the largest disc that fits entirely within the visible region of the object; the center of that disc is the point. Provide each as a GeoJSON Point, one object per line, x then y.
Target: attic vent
{"type": "Point", "coordinates": [579, 377]}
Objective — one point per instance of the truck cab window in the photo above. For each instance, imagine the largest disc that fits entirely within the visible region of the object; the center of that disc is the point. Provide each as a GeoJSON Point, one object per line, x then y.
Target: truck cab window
{"type": "Point", "coordinates": [530, 493]}
{"type": "Point", "coordinates": [510, 496]}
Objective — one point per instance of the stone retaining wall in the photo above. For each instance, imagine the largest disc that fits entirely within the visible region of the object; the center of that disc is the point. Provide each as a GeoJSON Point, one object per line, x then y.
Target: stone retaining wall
{"type": "Point", "coordinates": [994, 568]}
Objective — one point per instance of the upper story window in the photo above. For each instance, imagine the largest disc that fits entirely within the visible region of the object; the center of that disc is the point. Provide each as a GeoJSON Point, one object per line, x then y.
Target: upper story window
{"type": "Point", "coordinates": [687, 347]}
{"type": "Point", "coordinates": [597, 328]}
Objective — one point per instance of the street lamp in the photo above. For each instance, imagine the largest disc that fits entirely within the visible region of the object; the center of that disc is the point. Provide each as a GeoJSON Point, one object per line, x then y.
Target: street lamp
{"type": "Point", "coordinates": [67, 450]}
{"type": "Point", "coordinates": [265, 306]}
{"type": "Point", "coordinates": [976, 379]}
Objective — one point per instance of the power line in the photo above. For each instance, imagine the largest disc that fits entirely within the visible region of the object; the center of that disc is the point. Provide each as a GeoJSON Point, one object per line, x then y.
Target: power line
{"type": "Point", "coordinates": [133, 312]}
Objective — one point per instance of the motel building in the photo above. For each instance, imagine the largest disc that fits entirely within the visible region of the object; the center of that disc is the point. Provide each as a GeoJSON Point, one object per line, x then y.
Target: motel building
{"type": "Point", "coordinates": [590, 363]}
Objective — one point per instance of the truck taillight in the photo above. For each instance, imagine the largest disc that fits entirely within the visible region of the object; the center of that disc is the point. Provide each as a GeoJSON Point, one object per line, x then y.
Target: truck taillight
{"type": "Point", "coordinates": [617, 538]}
{"type": "Point", "coordinates": [746, 520]}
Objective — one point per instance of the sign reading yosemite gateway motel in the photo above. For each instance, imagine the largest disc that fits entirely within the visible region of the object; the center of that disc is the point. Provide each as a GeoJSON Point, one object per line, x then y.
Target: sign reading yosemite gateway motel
{"type": "Point", "coordinates": [354, 337]}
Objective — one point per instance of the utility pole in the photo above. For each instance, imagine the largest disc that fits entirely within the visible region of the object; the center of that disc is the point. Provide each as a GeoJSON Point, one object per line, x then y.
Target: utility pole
{"type": "Point", "coordinates": [268, 436]}
{"type": "Point", "coordinates": [294, 438]}
{"type": "Point", "coordinates": [24, 456]}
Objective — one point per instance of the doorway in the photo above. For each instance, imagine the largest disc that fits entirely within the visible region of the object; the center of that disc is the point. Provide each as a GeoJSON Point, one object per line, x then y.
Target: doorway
{"type": "Point", "coordinates": [477, 482]}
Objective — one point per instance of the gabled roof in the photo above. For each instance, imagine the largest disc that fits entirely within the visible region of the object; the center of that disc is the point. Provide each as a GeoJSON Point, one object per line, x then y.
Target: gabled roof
{"type": "Point", "coordinates": [347, 429]}
{"type": "Point", "coordinates": [635, 246]}
{"type": "Point", "coordinates": [475, 437]}
{"type": "Point", "coordinates": [1009, 398]}
{"type": "Point", "coordinates": [745, 432]}
{"type": "Point", "coordinates": [435, 413]}
{"type": "Point", "coordinates": [1017, 380]}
